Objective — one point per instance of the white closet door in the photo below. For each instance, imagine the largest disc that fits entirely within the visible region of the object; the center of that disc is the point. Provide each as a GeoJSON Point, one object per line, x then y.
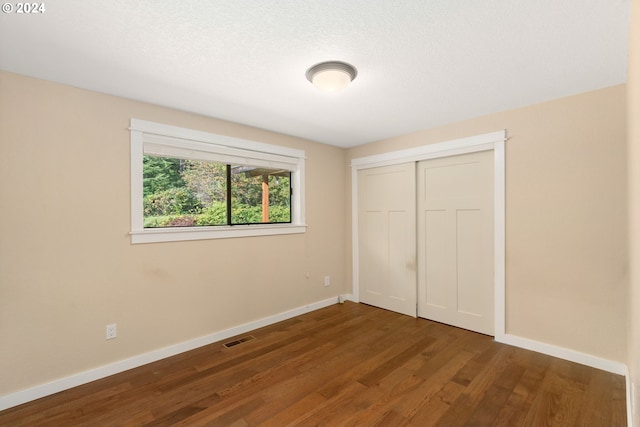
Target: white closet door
{"type": "Point", "coordinates": [387, 242]}
{"type": "Point", "coordinates": [455, 241]}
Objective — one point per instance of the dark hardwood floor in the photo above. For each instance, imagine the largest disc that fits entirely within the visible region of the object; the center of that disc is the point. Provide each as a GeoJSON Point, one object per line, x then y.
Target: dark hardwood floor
{"type": "Point", "coordinates": [348, 364]}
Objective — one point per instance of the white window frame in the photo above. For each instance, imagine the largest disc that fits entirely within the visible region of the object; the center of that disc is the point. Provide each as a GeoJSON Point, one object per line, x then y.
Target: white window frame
{"type": "Point", "coordinates": [156, 139]}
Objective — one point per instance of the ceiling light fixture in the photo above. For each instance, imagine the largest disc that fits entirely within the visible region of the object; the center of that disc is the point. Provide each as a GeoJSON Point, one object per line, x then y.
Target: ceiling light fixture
{"type": "Point", "coordinates": [331, 76]}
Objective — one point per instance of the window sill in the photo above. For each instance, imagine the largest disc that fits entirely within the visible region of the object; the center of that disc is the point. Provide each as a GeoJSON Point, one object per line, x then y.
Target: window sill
{"type": "Point", "coordinates": [179, 234]}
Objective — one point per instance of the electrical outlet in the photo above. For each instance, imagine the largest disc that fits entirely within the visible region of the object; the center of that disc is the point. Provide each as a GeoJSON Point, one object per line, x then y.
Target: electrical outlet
{"type": "Point", "coordinates": [327, 280]}
{"type": "Point", "coordinates": [111, 331]}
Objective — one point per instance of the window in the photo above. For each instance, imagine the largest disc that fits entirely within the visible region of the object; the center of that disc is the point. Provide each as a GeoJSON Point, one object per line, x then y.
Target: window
{"type": "Point", "coordinates": [190, 185]}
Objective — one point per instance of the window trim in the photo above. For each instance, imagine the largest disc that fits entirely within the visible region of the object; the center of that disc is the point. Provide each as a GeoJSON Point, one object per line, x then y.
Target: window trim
{"type": "Point", "coordinates": [217, 145]}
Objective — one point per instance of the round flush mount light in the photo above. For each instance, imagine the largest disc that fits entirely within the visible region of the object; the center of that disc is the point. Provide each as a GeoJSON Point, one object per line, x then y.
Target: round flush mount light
{"type": "Point", "coordinates": [331, 76]}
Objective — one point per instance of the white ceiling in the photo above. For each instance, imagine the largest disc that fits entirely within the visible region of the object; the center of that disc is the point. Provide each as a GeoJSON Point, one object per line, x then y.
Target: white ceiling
{"type": "Point", "coordinates": [421, 63]}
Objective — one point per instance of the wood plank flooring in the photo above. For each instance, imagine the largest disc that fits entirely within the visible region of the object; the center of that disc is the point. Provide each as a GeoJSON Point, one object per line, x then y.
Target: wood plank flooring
{"type": "Point", "coordinates": [344, 365]}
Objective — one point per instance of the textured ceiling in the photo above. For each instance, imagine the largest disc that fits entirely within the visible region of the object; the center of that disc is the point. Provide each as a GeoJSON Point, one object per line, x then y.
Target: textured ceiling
{"type": "Point", "coordinates": [421, 63]}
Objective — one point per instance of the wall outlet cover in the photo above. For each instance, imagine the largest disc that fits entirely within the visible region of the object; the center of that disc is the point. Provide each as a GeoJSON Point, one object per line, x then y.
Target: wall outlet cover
{"type": "Point", "coordinates": [111, 331]}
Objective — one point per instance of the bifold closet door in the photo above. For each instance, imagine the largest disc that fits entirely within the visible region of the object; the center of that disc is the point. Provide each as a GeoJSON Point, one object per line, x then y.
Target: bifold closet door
{"type": "Point", "coordinates": [387, 237]}
{"type": "Point", "coordinates": [455, 241]}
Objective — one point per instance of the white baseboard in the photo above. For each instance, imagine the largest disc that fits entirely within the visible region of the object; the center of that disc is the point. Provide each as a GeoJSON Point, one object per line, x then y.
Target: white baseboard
{"type": "Point", "coordinates": [565, 353]}
{"type": "Point", "coordinates": [27, 395]}
{"type": "Point", "coordinates": [349, 297]}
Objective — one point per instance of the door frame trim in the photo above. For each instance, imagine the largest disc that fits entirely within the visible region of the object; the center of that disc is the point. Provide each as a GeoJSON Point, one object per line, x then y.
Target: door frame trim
{"type": "Point", "coordinates": [484, 142]}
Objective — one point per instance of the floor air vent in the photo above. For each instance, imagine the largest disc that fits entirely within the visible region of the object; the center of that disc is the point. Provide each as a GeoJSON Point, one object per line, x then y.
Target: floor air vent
{"type": "Point", "coordinates": [239, 341]}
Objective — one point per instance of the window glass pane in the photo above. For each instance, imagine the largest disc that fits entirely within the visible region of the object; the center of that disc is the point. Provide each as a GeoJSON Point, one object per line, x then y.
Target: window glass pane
{"type": "Point", "coordinates": [183, 193]}
{"type": "Point", "coordinates": [192, 193]}
{"type": "Point", "coordinates": [260, 195]}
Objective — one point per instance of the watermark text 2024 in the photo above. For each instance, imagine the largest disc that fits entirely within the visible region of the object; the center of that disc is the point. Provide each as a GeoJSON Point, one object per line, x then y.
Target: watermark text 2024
{"type": "Point", "coordinates": [23, 8]}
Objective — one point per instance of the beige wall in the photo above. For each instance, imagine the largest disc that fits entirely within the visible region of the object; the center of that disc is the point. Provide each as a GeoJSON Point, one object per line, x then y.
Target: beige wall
{"type": "Point", "coordinates": [633, 94]}
{"type": "Point", "coordinates": [67, 267]}
{"type": "Point", "coordinates": [566, 213]}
